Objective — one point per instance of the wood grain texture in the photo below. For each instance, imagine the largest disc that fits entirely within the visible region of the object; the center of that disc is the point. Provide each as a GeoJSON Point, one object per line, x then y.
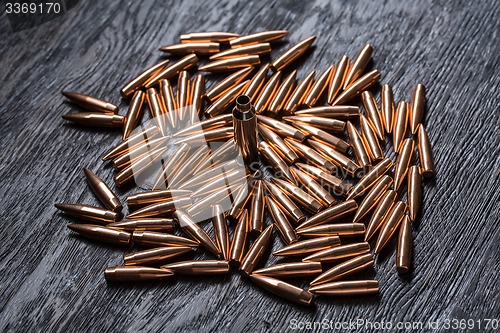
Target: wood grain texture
{"type": "Point", "coordinates": [52, 281]}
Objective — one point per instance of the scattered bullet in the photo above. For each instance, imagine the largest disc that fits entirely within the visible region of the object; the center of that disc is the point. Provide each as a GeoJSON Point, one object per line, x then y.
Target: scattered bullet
{"type": "Point", "coordinates": [160, 208]}
{"type": "Point", "coordinates": [339, 186]}
{"type": "Point", "coordinates": [414, 192]}
{"type": "Point", "coordinates": [373, 197]}
{"type": "Point", "coordinates": [151, 224]}
{"type": "Point", "coordinates": [285, 89]}
{"type": "Point", "coordinates": [169, 102]}
{"type": "Point", "coordinates": [195, 231]}
{"type": "Point", "coordinates": [323, 136]}
{"type": "Point", "coordinates": [217, 134]}
{"type": "Point", "coordinates": [387, 102]}
{"type": "Point", "coordinates": [425, 153]}
{"type": "Point", "coordinates": [298, 96]}
{"type": "Point", "coordinates": [134, 140]}
{"type": "Point", "coordinates": [89, 213]}
{"type": "Point", "coordinates": [174, 163]}
{"type": "Point", "coordinates": [136, 83]}
{"type": "Point", "coordinates": [290, 270]}
{"type": "Point", "coordinates": [272, 157]}
{"type": "Point", "coordinates": [259, 37]}
{"type": "Point", "coordinates": [256, 251]}
{"type": "Point", "coordinates": [141, 199]}
{"type": "Point", "coordinates": [253, 49]}
{"type": "Point", "coordinates": [172, 70]}
{"type": "Point", "coordinates": [200, 48]}
{"type": "Point", "coordinates": [138, 152]}
{"type": "Point", "coordinates": [90, 103]}
{"type": "Point", "coordinates": [339, 77]}
{"type": "Point", "coordinates": [95, 119]}
{"type": "Point", "coordinates": [199, 267]}
{"type": "Point", "coordinates": [183, 93]}
{"type": "Point", "coordinates": [309, 155]}
{"type": "Point", "coordinates": [331, 214]}
{"type": "Point", "coordinates": [256, 83]}
{"type": "Point", "coordinates": [319, 87]}
{"type": "Point", "coordinates": [334, 156]}
{"type": "Point", "coordinates": [286, 231]}
{"type": "Point", "coordinates": [230, 64]}
{"type": "Point", "coordinates": [220, 231]}
{"type": "Point", "coordinates": [339, 252]}
{"type": "Point", "coordinates": [370, 140]}
{"type": "Point", "coordinates": [239, 239]}
{"type": "Point", "coordinates": [315, 189]}
{"type": "Point", "coordinates": [136, 273]}
{"type": "Point", "coordinates": [355, 88]}
{"type": "Point", "coordinates": [403, 254]}
{"type": "Point", "coordinates": [292, 54]}
{"type": "Point", "coordinates": [103, 234]}
{"type": "Point", "coordinates": [285, 203]}
{"type": "Point", "coordinates": [241, 200]}
{"type": "Point", "coordinates": [358, 66]}
{"type": "Point", "coordinates": [156, 239]}
{"type": "Point", "coordinates": [304, 247]}
{"type": "Point", "coordinates": [373, 113]}
{"type": "Point", "coordinates": [257, 209]}
{"type": "Point", "coordinates": [417, 107]}
{"type": "Point", "coordinates": [207, 37]}
{"type": "Point", "coordinates": [219, 121]}
{"type": "Point", "coordinates": [267, 94]}
{"type": "Point", "coordinates": [391, 223]}
{"type": "Point", "coordinates": [280, 128]}
{"type": "Point", "coordinates": [327, 124]}
{"type": "Point", "coordinates": [283, 289]}
{"type": "Point", "coordinates": [133, 114]}
{"type": "Point", "coordinates": [370, 178]}
{"type": "Point", "coordinates": [400, 121]}
{"type": "Point", "coordinates": [103, 192]}
{"type": "Point", "coordinates": [403, 162]}
{"type": "Point", "coordinates": [338, 229]}
{"type": "Point", "coordinates": [197, 93]}
{"type": "Point", "coordinates": [344, 269]}
{"type": "Point", "coordinates": [347, 288]}
{"type": "Point", "coordinates": [226, 100]}
{"type": "Point", "coordinates": [156, 108]}
{"type": "Point", "coordinates": [155, 255]}
{"type": "Point", "coordinates": [358, 146]}
{"type": "Point", "coordinates": [298, 195]}
{"type": "Point", "coordinates": [380, 213]}
{"type": "Point", "coordinates": [228, 83]}
{"type": "Point", "coordinates": [336, 111]}
{"type": "Point", "coordinates": [279, 146]}
{"type": "Point", "coordinates": [245, 131]}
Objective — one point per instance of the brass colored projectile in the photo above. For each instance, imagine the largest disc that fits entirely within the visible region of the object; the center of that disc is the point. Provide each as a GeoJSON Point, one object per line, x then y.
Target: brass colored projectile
{"type": "Point", "coordinates": [241, 199]}
{"type": "Point", "coordinates": [222, 120]}
{"type": "Point", "coordinates": [425, 153]}
{"type": "Point", "coordinates": [199, 267]}
{"type": "Point", "coordinates": [278, 102]}
{"type": "Point", "coordinates": [103, 234]}
{"type": "Point", "coordinates": [347, 288]}
{"type": "Point", "coordinates": [183, 93]}
{"type": "Point", "coordinates": [95, 119]}
{"type": "Point", "coordinates": [217, 134]}
{"type": "Point", "coordinates": [266, 95]}
{"type": "Point", "coordinates": [339, 186]}
{"type": "Point", "coordinates": [220, 231]}
{"type": "Point", "coordinates": [283, 289]}
{"type": "Point", "coordinates": [146, 198]}
{"type": "Point", "coordinates": [207, 37]}
{"type": "Point", "coordinates": [339, 229]}
{"type": "Point", "coordinates": [103, 192]}
{"type": "Point", "coordinates": [156, 108]}
{"type": "Point", "coordinates": [387, 103]}
{"type": "Point", "coordinates": [136, 273]}
{"type": "Point", "coordinates": [169, 102]}
{"type": "Point", "coordinates": [286, 231]}
{"type": "Point", "coordinates": [355, 88]}
{"type": "Point", "coordinates": [323, 136]}
{"type": "Point", "coordinates": [373, 197]}
{"type": "Point", "coordinates": [339, 77]}
{"type": "Point", "coordinates": [339, 252]}
{"type": "Point", "coordinates": [292, 54]}
{"type": "Point", "coordinates": [414, 192]}
{"type": "Point", "coordinates": [256, 83]}
{"type": "Point", "coordinates": [370, 139]}
{"type": "Point", "coordinates": [417, 107]}
{"type": "Point", "coordinates": [156, 239]}
{"type": "Point", "coordinates": [254, 49]}
{"type": "Point", "coordinates": [380, 213]}
{"type": "Point", "coordinates": [370, 178]}
{"type": "Point", "coordinates": [137, 167]}
{"type": "Point", "coordinates": [151, 224]}
{"type": "Point", "coordinates": [133, 114]}
{"type": "Point", "coordinates": [336, 111]}
{"type": "Point", "coordinates": [155, 255]}
{"type": "Point", "coordinates": [256, 251]}
{"type": "Point", "coordinates": [90, 103]}
{"type": "Point", "coordinates": [358, 146]}
{"type": "Point", "coordinates": [403, 254]}
{"type": "Point", "coordinates": [230, 64]}
{"type": "Point", "coordinates": [257, 209]}
{"type": "Point", "coordinates": [136, 139]}
{"type": "Point", "coordinates": [138, 152]}
{"type": "Point", "coordinates": [373, 113]}
{"type": "Point", "coordinates": [226, 100]}
{"type": "Point", "coordinates": [285, 203]}
{"type": "Point", "coordinates": [223, 195]}
{"type": "Point", "coordinates": [399, 129]}
{"type": "Point", "coordinates": [281, 128]}
{"type": "Point", "coordinates": [278, 144]}
{"type": "Point", "coordinates": [239, 239]}
{"type": "Point", "coordinates": [328, 124]}
{"type": "Point", "coordinates": [310, 155]}
{"type": "Point", "coordinates": [319, 86]}
{"type": "Point", "coordinates": [359, 65]}
{"type": "Point", "coordinates": [172, 70]}
{"type": "Point", "coordinates": [228, 83]}
{"type": "Point", "coordinates": [298, 195]}
{"type": "Point", "coordinates": [89, 213]}
{"type": "Point", "coordinates": [174, 162]}
{"type": "Point", "coordinates": [391, 224]}
{"type": "Point", "coordinates": [201, 48]}
{"type": "Point", "coordinates": [259, 37]}
{"type": "Point", "coordinates": [197, 93]}
{"type": "Point", "coordinates": [304, 247]}
{"type": "Point", "coordinates": [403, 162]}
{"type": "Point", "coordinates": [139, 81]}
{"type": "Point", "coordinates": [195, 231]}
{"type": "Point", "coordinates": [291, 270]}
{"type": "Point", "coordinates": [300, 93]}
{"type": "Point", "coordinates": [273, 158]}
{"type": "Point", "coordinates": [331, 214]}
{"type": "Point", "coordinates": [315, 189]}
{"type": "Point", "coordinates": [344, 269]}
{"type": "Point", "coordinates": [161, 208]}
{"type": "Point", "coordinates": [245, 131]}
{"type": "Point", "coordinates": [334, 156]}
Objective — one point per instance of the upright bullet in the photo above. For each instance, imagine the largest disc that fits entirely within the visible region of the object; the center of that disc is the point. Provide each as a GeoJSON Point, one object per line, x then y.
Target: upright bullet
{"type": "Point", "coordinates": [319, 86]}
{"type": "Point", "coordinates": [95, 119]}
{"type": "Point", "coordinates": [200, 48]}
{"type": "Point", "coordinates": [307, 246]}
{"type": "Point", "coordinates": [370, 139]}
{"type": "Point", "coordinates": [155, 255]}
{"type": "Point", "coordinates": [315, 189]}
{"type": "Point", "coordinates": [285, 89]}
{"type": "Point", "coordinates": [417, 107]}
{"type": "Point", "coordinates": [403, 254]}
{"type": "Point", "coordinates": [141, 199]}
{"type": "Point", "coordinates": [380, 213]}
{"type": "Point", "coordinates": [256, 251]}
{"type": "Point", "coordinates": [245, 131]}
{"type": "Point", "coordinates": [272, 157]}
{"type": "Point", "coordinates": [199, 267]}
{"type": "Point", "coordinates": [195, 231]}
{"type": "Point", "coordinates": [425, 153]}
{"type": "Point", "coordinates": [229, 82]}
{"type": "Point", "coordinates": [298, 195]}
{"type": "Point", "coordinates": [358, 146]}
{"type": "Point", "coordinates": [239, 239]}
{"type": "Point", "coordinates": [230, 64]}
{"type": "Point", "coordinates": [103, 234]}
{"type": "Point", "coordinates": [256, 83]}
{"type": "Point", "coordinates": [334, 156]}
{"type": "Point", "coordinates": [174, 162]}
{"type": "Point", "coordinates": [281, 128]}
{"type": "Point", "coordinates": [309, 155]}
{"type": "Point", "coordinates": [403, 162]}
{"type": "Point", "coordinates": [254, 49]}
{"type": "Point", "coordinates": [89, 213]}
{"type": "Point", "coordinates": [226, 100]}
{"type": "Point", "coordinates": [370, 178]}
{"type": "Point", "coordinates": [286, 231]}
{"type": "Point", "coordinates": [266, 95]}
{"type": "Point", "coordinates": [373, 113]}
{"type": "Point", "coordinates": [400, 121]}
{"type": "Point", "coordinates": [390, 226]}
{"type": "Point", "coordinates": [136, 273]}
{"type": "Point", "coordinates": [373, 197]}
{"type": "Point", "coordinates": [139, 81]}
{"type": "Point", "coordinates": [90, 103]}
{"type": "Point", "coordinates": [347, 288]}
{"type": "Point", "coordinates": [285, 203]}
{"type": "Point", "coordinates": [283, 289]}
{"type": "Point", "coordinates": [337, 229]}
{"type": "Point", "coordinates": [344, 269]}
{"type": "Point", "coordinates": [292, 54]}
{"type": "Point", "coordinates": [387, 103]}
{"type": "Point", "coordinates": [161, 208]}
{"type": "Point", "coordinates": [323, 136]}
{"type": "Point", "coordinates": [151, 224]}
{"type": "Point", "coordinates": [222, 120]}
{"type": "Point", "coordinates": [278, 145]}
{"type": "Point", "coordinates": [220, 231]}
{"type": "Point", "coordinates": [298, 96]}
{"type": "Point", "coordinates": [336, 112]}
{"type": "Point", "coordinates": [172, 70]}
{"type": "Point", "coordinates": [257, 209]}
{"type": "Point", "coordinates": [133, 114]}
{"type": "Point", "coordinates": [197, 93]}
{"type": "Point", "coordinates": [339, 77]}
{"type": "Point", "coordinates": [103, 192]}
{"type": "Point", "coordinates": [155, 106]}
{"type": "Point", "coordinates": [339, 186]}
{"type": "Point", "coordinates": [183, 93]}
{"type": "Point", "coordinates": [138, 167]}
{"type": "Point", "coordinates": [156, 239]}
{"type": "Point", "coordinates": [169, 102]}
{"type": "Point", "coordinates": [356, 87]}
{"type": "Point", "coordinates": [207, 37]}
{"type": "Point", "coordinates": [359, 64]}
{"type": "Point", "coordinates": [136, 139]}
{"type": "Point", "coordinates": [339, 252]}
{"type": "Point", "coordinates": [291, 270]}
{"type": "Point", "coordinates": [414, 192]}
{"type": "Point", "coordinates": [328, 124]}
{"type": "Point", "coordinates": [331, 214]}
{"type": "Point", "coordinates": [259, 37]}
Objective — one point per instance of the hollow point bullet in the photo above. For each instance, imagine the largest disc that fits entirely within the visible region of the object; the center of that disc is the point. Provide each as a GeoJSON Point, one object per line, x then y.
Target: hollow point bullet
{"type": "Point", "coordinates": [254, 49]}
{"type": "Point", "coordinates": [90, 103]}
{"type": "Point", "coordinates": [161, 208]}
{"type": "Point", "coordinates": [370, 178]}
{"type": "Point", "coordinates": [390, 226]}
{"type": "Point", "coordinates": [290, 270]}
{"type": "Point", "coordinates": [298, 96]}
{"type": "Point", "coordinates": [239, 241]}
{"type": "Point", "coordinates": [220, 231]}
{"type": "Point", "coordinates": [195, 231]}
{"type": "Point", "coordinates": [285, 203]}
{"type": "Point", "coordinates": [278, 145]}
{"type": "Point", "coordinates": [259, 37]}
{"type": "Point", "coordinates": [230, 64]}
{"type": "Point", "coordinates": [344, 269]}
{"type": "Point", "coordinates": [339, 252]}
{"type": "Point", "coordinates": [155, 255]}
{"type": "Point", "coordinates": [319, 86]}
{"type": "Point", "coordinates": [358, 146]}
{"type": "Point", "coordinates": [315, 189]}
{"type": "Point", "coordinates": [292, 54]}
{"type": "Point", "coordinates": [136, 139]}
{"type": "Point", "coordinates": [347, 288]}
{"type": "Point", "coordinates": [340, 186]}
{"type": "Point", "coordinates": [323, 136]}
{"type": "Point", "coordinates": [400, 122]}
{"type": "Point", "coordinates": [136, 273]}
{"type": "Point", "coordinates": [373, 113]}
{"type": "Point", "coordinates": [95, 119]}
{"type": "Point", "coordinates": [172, 70]}
{"type": "Point", "coordinates": [103, 192]}
{"type": "Point", "coordinates": [89, 213]}
{"type": "Point", "coordinates": [303, 247]}
{"type": "Point", "coordinates": [226, 100]}
{"type": "Point", "coordinates": [336, 111]}
{"type": "Point", "coordinates": [256, 83]}
{"type": "Point", "coordinates": [356, 87]}
{"type": "Point", "coordinates": [245, 131]}
{"type": "Point", "coordinates": [133, 114]}
{"type": "Point", "coordinates": [328, 124]}
{"type": "Point", "coordinates": [150, 197]}
{"type": "Point", "coordinates": [334, 156]}
{"type": "Point", "coordinates": [139, 81]}
{"type": "Point", "coordinates": [380, 213]}
{"type": "Point", "coordinates": [338, 79]}
{"type": "Point", "coordinates": [417, 107]}
{"type": "Point", "coordinates": [286, 231]}
{"type": "Point", "coordinates": [156, 239]}
{"type": "Point", "coordinates": [359, 64]}
{"type": "Point", "coordinates": [229, 82]}
{"type": "Point", "coordinates": [309, 155]}
{"type": "Point", "coordinates": [330, 214]}
{"type": "Point", "coordinates": [373, 197]}
{"type": "Point", "coordinates": [151, 224]}
{"type": "Point", "coordinates": [414, 192]}
{"type": "Point", "coordinates": [207, 37]}
{"type": "Point", "coordinates": [370, 139]}
{"type": "Point", "coordinates": [403, 253]}
{"type": "Point", "coordinates": [266, 95]}
{"type": "Point", "coordinates": [337, 229]}
{"type": "Point", "coordinates": [199, 267]}
{"type": "Point", "coordinates": [283, 289]}
{"type": "Point", "coordinates": [425, 153]}
{"type": "Point", "coordinates": [256, 251]}
{"type": "Point", "coordinates": [281, 128]}
{"type": "Point", "coordinates": [298, 195]}
{"type": "Point", "coordinates": [387, 106]}
{"type": "Point", "coordinates": [403, 162]}
{"type": "Point", "coordinates": [272, 157]}
{"type": "Point", "coordinates": [201, 48]}
{"type": "Point", "coordinates": [286, 87]}
{"type": "Point", "coordinates": [103, 234]}
{"type": "Point", "coordinates": [169, 102]}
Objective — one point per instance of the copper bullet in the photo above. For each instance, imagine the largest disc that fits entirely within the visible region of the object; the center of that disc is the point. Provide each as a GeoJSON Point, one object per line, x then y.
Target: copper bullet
{"type": "Point", "coordinates": [194, 160]}
{"type": "Point", "coordinates": [201, 48]}
{"type": "Point", "coordinates": [370, 140]}
{"type": "Point", "coordinates": [358, 146]}
{"type": "Point", "coordinates": [370, 178]}
{"type": "Point", "coordinates": [339, 229]}
{"type": "Point", "coordinates": [139, 166]}
{"type": "Point", "coordinates": [339, 77]}
{"type": "Point", "coordinates": [197, 93]}
{"type": "Point", "coordinates": [272, 157]}
{"type": "Point", "coordinates": [150, 197]}
{"type": "Point", "coordinates": [102, 234]}
{"type": "Point", "coordinates": [239, 239]}
{"type": "Point", "coordinates": [199, 267]}
{"type": "Point", "coordinates": [339, 252]}
{"type": "Point", "coordinates": [319, 86]}
{"type": "Point", "coordinates": [230, 64]}
{"type": "Point", "coordinates": [90, 103]}
{"type": "Point", "coordinates": [224, 197]}
{"type": "Point", "coordinates": [172, 70]}
{"type": "Point", "coordinates": [223, 154]}
{"type": "Point", "coordinates": [331, 214]}
{"type": "Point", "coordinates": [254, 49]}
{"type": "Point", "coordinates": [151, 224]}
{"type": "Point", "coordinates": [217, 134]}
{"type": "Point", "coordinates": [161, 208]}
{"type": "Point", "coordinates": [339, 186]}
{"type": "Point", "coordinates": [195, 231]}
{"type": "Point", "coordinates": [290, 270]}
{"type": "Point", "coordinates": [425, 153]}
{"type": "Point", "coordinates": [133, 114]}
{"type": "Point", "coordinates": [256, 83]}
{"type": "Point", "coordinates": [156, 239]}
{"type": "Point", "coordinates": [309, 155]}
{"type": "Point", "coordinates": [222, 120]}
{"type": "Point", "coordinates": [417, 107]}
{"type": "Point", "coordinates": [241, 199]}
{"type": "Point", "coordinates": [257, 209]}
{"type": "Point", "coordinates": [373, 113]}
{"type": "Point", "coordinates": [278, 145]}
{"type": "Point", "coordinates": [414, 192]}
{"type": "Point", "coordinates": [403, 162]}
{"type": "Point", "coordinates": [304, 247]}
{"type": "Point", "coordinates": [298, 195]}
{"type": "Point", "coordinates": [359, 65]}
{"type": "Point", "coordinates": [373, 197]}
{"type": "Point", "coordinates": [283, 289]}
{"type": "Point", "coordinates": [380, 213]}
{"type": "Point", "coordinates": [209, 36]}
{"type": "Point", "coordinates": [155, 255]}
{"type": "Point", "coordinates": [138, 152]}
{"type": "Point", "coordinates": [298, 96]}
{"type": "Point", "coordinates": [139, 81]}
{"type": "Point", "coordinates": [169, 102]}
{"type": "Point", "coordinates": [281, 128]}
{"type": "Point", "coordinates": [387, 103]}
{"type": "Point", "coordinates": [266, 95]}
{"type": "Point", "coordinates": [226, 100]}
{"type": "Point", "coordinates": [259, 37]}
{"type": "Point", "coordinates": [208, 175]}
{"type": "Point", "coordinates": [391, 224]}
{"type": "Point", "coordinates": [315, 189]}
{"type": "Point", "coordinates": [336, 111]}
{"type": "Point", "coordinates": [103, 192]}
{"type": "Point", "coordinates": [229, 82]}
{"type": "Point", "coordinates": [220, 231]}
{"type": "Point", "coordinates": [95, 119]}
{"type": "Point", "coordinates": [286, 231]}
{"type": "Point", "coordinates": [323, 136]}
{"type": "Point", "coordinates": [344, 269]}
{"type": "Point", "coordinates": [174, 162]}
{"type": "Point", "coordinates": [136, 273]}
{"type": "Point", "coordinates": [256, 251]}
{"type": "Point", "coordinates": [89, 213]}
{"type": "Point", "coordinates": [334, 156]}
{"type": "Point", "coordinates": [285, 203]}
{"type": "Point", "coordinates": [328, 124]}
{"type": "Point", "coordinates": [136, 139]}
{"type": "Point", "coordinates": [400, 121]}
{"type": "Point", "coordinates": [355, 88]}
{"type": "Point", "coordinates": [403, 254]}
{"type": "Point", "coordinates": [245, 131]}
{"type": "Point", "coordinates": [347, 288]}
{"type": "Point", "coordinates": [292, 54]}
{"type": "Point", "coordinates": [156, 108]}
{"type": "Point", "coordinates": [231, 177]}
{"type": "Point", "coordinates": [183, 93]}
{"type": "Point", "coordinates": [285, 89]}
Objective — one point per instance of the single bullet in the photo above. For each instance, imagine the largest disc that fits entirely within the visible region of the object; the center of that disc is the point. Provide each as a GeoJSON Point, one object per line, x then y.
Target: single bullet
{"type": "Point", "coordinates": [151, 224]}
{"type": "Point", "coordinates": [339, 77]}
{"type": "Point", "coordinates": [136, 139]}
{"type": "Point", "coordinates": [298, 195]}
{"type": "Point", "coordinates": [304, 247]}
{"type": "Point", "coordinates": [370, 140]}
{"type": "Point", "coordinates": [319, 87]}
{"type": "Point", "coordinates": [272, 157]}
{"type": "Point", "coordinates": [315, 189]}
{"type": "Point", "coordinates": [220, 231]}
{"type": "Point", "coordinates": [417, 107]}
{"type": "Point", "coordinates": [156, 239]}
{"type": "Point", "coordinates": [161, 208]}
{"type": "Point", "coordinates": [172, 70]}
{"type": "Point", "coordinates": [310, 155]}
{"type": "Point", "coordinates": [138, 152]}
{"type": "Point", "coordinates": [207, 37]}
{"type": "Point", "coordinates": [256, 251]}
{"type": "Point", "coordinates": [278, 102]}
{"type": "Point", "coordinates": [229, 82]}
{"type": "Point", "coordinates": [373, 113]}
{"type": "Point", "coordinates": [174, 162]}
{"type": "Point", "coordinates": [155, 106]}
{"type": "Point", "coordinates": [230, 64]}
{"type": "Point", "coordinates": [183, 93]}
{"type": "Point", "coordinates": [136, 273]}
{"type": "Point", "coordinates": [281, 128]}
{"type": "Point", "coordinates": [224, 195]}
{"type": "Point", "coordinates": [141, 199]}
{"type": "Point", "coordinates": [359, 64]}
{"type": "Point", "coordinates": [278, 145]}
{"type": "Point", "coordinates": [254, 49]}
{"type": "Point", "coordinates": [90, 103]}
{"type": "Point", "coordinates": [323, 136]}
{"type": "Point", "coordinates": [169, 102]}
{"type": "Point", "coordinates": [344, 269]}
{"type": "Point", "coordinates": [387, 103]}
{"type": "Point", "coordinates": [199, 267]}
{"type": "Point", "coordinates": [217, 134]}
{"type": "Point", "coordinates": [266, 95]}
{"type": "Point", "coordinates": [403, 162]}
{"type": "Point", "coordinates": [285, 203]}
{"type": "Point", "coordinates": [290, 270]}
{"type": "Point", "coordinates": [283, 289]}
{"type": "Point", "coordinates": [337, 229]}
{"type": "Point", "coordinates": [89, 213]}
{"type": "Point", "coordinates": [334, 156]}
{"type": "Point", "coordinates": [403, 254]}
{"type": "Point", "coordinates": [194, 161]}
{"type": "Point", "coordinates": [339, 252]}
{"type": "Point", "coordinates": [355, 88]}
{"type": "Point", "coordinates": [358, 146]}
{"type": "Point", "coordinates": [231, 177]}
{"type": "Point", "coordinates": [197, 93]}
{"type": "Point", "coordinates": [327, 124]}
{"type": "Point", "coordinates": [373, 197]}
{"type": "Point", "coordinates": [257, 209]}
{"type": "Point", "coordinates": [103, 234]}
{"type": "Point", "coordinates": [391, 224]}
{"type": "Point", "coordinates": [256, 83]}
{"type": "Point", "coordinates": [226, 100]}
{"type": "Point", "coordinates": [347, 288]}
{"type": "Point", "coordinates": [414, 192]}
{"type": "Point", "coordinates": [222, 120]}
{"type": "Point", "coordinates": [331, 214]}
{"type": "Point", "coordinates": [298, 96]}
{"type": "Point", "coordinates": [139, 81]}
{"type": "Point", "coordinates": [425, 153]}
{"type": "Point", "coordinates": [103, 192]}
{"type": "Point", "coordinates": [339, 186]}
{"type": "Point", "coordinates": [336, 111]}
{"type": "Point", "coordinates": [208, 175]}
{"type": "Point", "coordinates": [292, 54]}
{"type": "Point", "coordinates": [400, 122]}
{"type": "Point", "coordinates": [133, 114]}
{"type": "Point", "coordinates": [237, 251]}
{"type": "Point", "coordinates": [286, 231]}
{"type": "Point", "coordinates": [155, 255]}
{"type": "Point", "coordinates": [380, 213]}
{"type": "Point", "coordinates": [259, 37]}
{"type": "Point", "coordinates": [95, 119]}
{"type": "Point", "coordinates": [195, 231]}
{"type": "Point", "coordinates": [241, 199]}
{"type": "Point", "coordinates": [370, 178]}
{"type": "Point", "coordinates": [245, 131]}
{"type": "Point", "coordinates": [201, 48]}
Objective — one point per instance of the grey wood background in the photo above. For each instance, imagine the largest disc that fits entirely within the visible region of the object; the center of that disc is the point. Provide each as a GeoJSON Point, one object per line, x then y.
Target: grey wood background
{"type": "Point", "coordinates": [52, 281]}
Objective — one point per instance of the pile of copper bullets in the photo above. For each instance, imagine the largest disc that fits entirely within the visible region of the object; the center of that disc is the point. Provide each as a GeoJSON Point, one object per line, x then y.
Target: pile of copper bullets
{"type": "Point", "coordinates": [330, 194]}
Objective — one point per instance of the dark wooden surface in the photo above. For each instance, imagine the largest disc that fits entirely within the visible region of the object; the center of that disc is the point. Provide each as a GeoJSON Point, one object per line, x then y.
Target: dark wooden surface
{"type": "Point", "coordinates": [52, 281]}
